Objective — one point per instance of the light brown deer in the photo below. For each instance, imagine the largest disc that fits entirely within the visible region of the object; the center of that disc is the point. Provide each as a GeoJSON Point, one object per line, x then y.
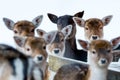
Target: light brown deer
{"type": "Point", "coordinates": [57, 40]}
{"type": "Point", "coordinates": [93, 27]}
{"type": "Point", "coordinates": [100, 55]}
{"type": "Point", "coordinates": [23, 27]}
{"type": "Point", "coordinates": [35, 48]}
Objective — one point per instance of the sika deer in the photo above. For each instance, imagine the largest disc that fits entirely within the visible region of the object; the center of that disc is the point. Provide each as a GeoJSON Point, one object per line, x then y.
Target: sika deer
{"type": "Point", "coordinates": [93, 27]}
{"type": "Point", "coordinates": [56, 39]}
{"type": "Point", "coordinates": [23, 27]}
{"type": "Point", "coordinates": [100, 55]}
{"type": "Point", "coordinates": [63, 21]}
{"type": "Point", "coordinates": [35, 48]}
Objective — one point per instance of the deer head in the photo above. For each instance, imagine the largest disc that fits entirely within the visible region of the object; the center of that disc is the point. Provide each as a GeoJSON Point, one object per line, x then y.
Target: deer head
{"type": "Point", "coordinates": [100, 52]}
{"type": "Point", "coordinates": [63, 21]}
{"type": "Point", "coordinates": [93, 27]}
{"type": "Point", "coordinates": [34, 47]}
{"type": "Point", "coordinates": [23, 27]}
{"type": "Point", "coordinates": [56, 40]}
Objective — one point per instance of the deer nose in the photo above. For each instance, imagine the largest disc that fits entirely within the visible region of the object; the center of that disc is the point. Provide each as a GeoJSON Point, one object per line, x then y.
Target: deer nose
{"type": "Point", "coordinates": [94, 37]}
{"type": "Point", "coordinates": [40, 58]}
{"type": "Point", "coordinates": [56, 51]}
{"type": "Point", "coordinates": [103, 61]}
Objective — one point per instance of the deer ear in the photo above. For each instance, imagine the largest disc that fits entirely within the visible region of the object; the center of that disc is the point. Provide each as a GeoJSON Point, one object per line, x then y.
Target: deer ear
{"type": "Point", "coordinates": [41, 32]}
{"type": "Point", "coordinates": [106, 20]}
{"type": "Point", "coordinates": [53, 17]}
{"type": "Point", "coordinates": [83, 44]}
{"type": "Point", "coordinates": [20, 41]}
{"type": "Point", "coordinates": [67, 31]}
{"type": "Point", "coordinates": [79, 21]}
{"type": "Point", "coordinates": [79, 14]}
{"type": "Point", "coordinates": [49, 37]}
{"type": "Point", "coordinates": [37, 20]}
{"type": "Point", "coordinates": [115, 42]}
{"type": "Point", "coordinates": [9, 23]}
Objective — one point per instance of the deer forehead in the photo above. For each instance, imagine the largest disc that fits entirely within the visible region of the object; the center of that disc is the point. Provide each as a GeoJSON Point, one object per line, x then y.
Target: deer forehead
{"type": "Point", "coordinates": [93, 23]}
{"type": "Point", "coordinates": [58, 37]}
{"type": "Point", "coordinates": [99, 45]}
{"type": "Point", "coordinates": [64, 21]}
{"type": "Point", "coordinates": [24, 25]}
{"type": "Point", "coordinates": [35, 43]}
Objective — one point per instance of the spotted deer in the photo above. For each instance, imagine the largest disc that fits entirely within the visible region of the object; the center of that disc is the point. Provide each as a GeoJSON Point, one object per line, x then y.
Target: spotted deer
{"type": "Point", "coordinates": [63, 21]}
{"type": "Point", "coordinates": [36, 48]}
{"type": "Point", "coordinates": [56, 39]}
{"type": "Point", "coordinates": [23, 27]}
{"type": "Point", "coordinates": [93, 27]}
{"type": "Point", "coordinates": [100, 55]}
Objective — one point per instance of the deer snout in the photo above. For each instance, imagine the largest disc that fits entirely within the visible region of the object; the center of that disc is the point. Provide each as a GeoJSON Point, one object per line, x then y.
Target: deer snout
{"type": "Point", "coordinates": [56, 51]}
{"type": "Point", "coordinates": [38, 58]}
{"type": "Point", "coordinates": [95, 37]}
{"type": "Point", "coordinates": [103, 62]}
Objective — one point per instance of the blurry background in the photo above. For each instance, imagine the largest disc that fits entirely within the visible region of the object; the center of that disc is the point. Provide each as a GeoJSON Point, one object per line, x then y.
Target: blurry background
{"type": "Point", "coordinates": [29, 9]}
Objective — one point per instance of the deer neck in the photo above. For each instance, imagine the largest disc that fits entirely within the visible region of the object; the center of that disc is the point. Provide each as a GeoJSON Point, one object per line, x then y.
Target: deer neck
{"type": "Point", "coordinates": [72, 42]}
{"type": "Point", "coordinates": [96, 74]}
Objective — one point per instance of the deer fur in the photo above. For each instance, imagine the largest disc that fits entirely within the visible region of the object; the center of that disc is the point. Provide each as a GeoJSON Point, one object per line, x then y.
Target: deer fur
{"type": "Point", "coordinates": [56, 39]}
{"type": "Point", "coordinates": [93, 27]}
{"type": "Point", "coordinates": [71, 45]}
{"type": "Point", "coordinates": [23, 28]}
{"type": "Point", "coordinates": [100, 55]}
{"type": "Point", "coordinates": [13, 64]}
{"type": "Point", "coordinates": [35, 48]}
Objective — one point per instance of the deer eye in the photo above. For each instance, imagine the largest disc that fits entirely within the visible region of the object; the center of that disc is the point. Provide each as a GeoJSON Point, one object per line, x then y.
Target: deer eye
{"type": "Point", "coordinates": [101, 27]}
{"type": "Point", "coordinates": [86, 28]}
{"type": "Point", "coordinates": [44, 47]}
{"type": "Point", "coordinates": [93, 52]}
{"type": "Point", "coordinates": [15, 32]}
{"type": "Point", "coordinates": [28, 49]}
{"type": "Point", "coordinates": [62, 40]}
{"type": "Point", "coordinates": [32, 30]}
{"type": "Point", "coordinates": [108, 51]}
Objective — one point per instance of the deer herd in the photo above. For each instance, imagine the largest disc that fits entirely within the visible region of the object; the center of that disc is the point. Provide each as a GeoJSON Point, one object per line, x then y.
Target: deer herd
{"type": "Point", "coordinates": [29, 60]}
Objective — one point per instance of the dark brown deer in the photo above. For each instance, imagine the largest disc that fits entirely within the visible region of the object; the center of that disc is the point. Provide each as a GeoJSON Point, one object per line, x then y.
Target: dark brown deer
{"type": "Point", "coordinates": [71, 46]}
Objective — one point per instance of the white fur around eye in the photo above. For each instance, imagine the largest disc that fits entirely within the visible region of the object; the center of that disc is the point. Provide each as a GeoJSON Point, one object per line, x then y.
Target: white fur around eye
{"type": "Point", "coordinates": [28, 51]}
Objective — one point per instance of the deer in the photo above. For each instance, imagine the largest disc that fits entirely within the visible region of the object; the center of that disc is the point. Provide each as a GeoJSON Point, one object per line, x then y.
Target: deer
{"type": "Point", "coordinates": [35, 48]}
{"type": "Point", "coordinates": [100, 55]}
{"type": "Point", "coordinates": [57, 39]}
{"type": "Point", "coordinates": [13, 64]}
{"type": "Point", "coordinates": [23, 28]}
{"type": "Point", "coordinates": [71, 45]}
{"type": "Point", "coordinates": [93, 27]}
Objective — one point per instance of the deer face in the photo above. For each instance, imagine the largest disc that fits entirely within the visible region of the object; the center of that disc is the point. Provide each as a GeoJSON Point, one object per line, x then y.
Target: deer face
{"type": "Point", "coordinates": [23, 27]}
{"type": "Point", "coordinates": [34, 47]}
{"type": "Point", "coordinates": [56, 40]}
{"type": "Point", "coordinates": [93, 27]}
{"type": "Point", "coordinates": [65, 20]}
{"type": "Point", "coordinates": [57, 46]}
{"type": "Point", "coordinates": [100, 52]}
